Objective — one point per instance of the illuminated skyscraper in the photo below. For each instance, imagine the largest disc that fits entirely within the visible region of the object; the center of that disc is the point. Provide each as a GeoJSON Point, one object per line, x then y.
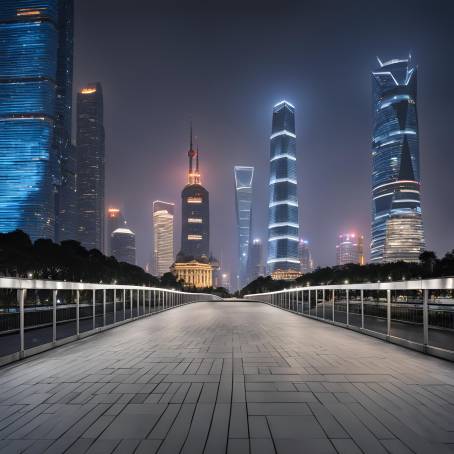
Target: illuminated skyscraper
{"type": "Point", "coordinates": [243, 203]}
{"type": "Point", "coordinates": [283, 226]}
{"type": "Point", "coordinates": [195, 214]}
{"type": "Point", "coordinates": [90, 166]}
{"type": "Point", "coordinates": [115, 220]}
{"type": "Point", "coordinates": [256, 265]}
{"type": "Point", "coordinates": [305, 256]}
{"type": "Point", "coordinates": [32, 34]}
{"type": "Point", "coordinates": [350, 249]}
{"type": "Point", "coordinates": [163, 213]}
{"type": "Point", "coordinates": [395, 156]}
{"type": "Point", "coordinates": [66, 196]}
{"type": "Point", "coordinates": [124, 245]}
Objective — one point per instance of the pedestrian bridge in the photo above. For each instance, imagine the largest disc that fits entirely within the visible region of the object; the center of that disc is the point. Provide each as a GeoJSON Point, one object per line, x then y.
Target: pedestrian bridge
{"type": "Point", "coordinates": [227, 377]}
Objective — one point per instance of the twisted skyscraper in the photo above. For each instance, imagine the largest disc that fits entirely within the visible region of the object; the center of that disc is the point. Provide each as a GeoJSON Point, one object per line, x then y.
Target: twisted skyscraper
{"type": "Point", "coordinates": [283, 227]}
{"type": "Point", "coordinates": [397, 229]}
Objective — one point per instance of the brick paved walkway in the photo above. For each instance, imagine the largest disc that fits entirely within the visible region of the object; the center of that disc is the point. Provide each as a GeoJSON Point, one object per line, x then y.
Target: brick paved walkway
{"type": "Point", "coordinates": [228, 378]}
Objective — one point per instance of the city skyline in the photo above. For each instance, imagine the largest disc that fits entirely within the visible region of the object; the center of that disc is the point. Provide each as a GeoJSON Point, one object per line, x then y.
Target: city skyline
{"type": "Point", "coordinates": [317, 175]}
{"type": "Point", "coordinates": [328, 84]}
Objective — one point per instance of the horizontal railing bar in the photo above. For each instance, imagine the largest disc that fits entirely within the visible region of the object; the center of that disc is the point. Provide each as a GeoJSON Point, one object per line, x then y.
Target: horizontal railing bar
{"type": "Point", "coordinates": [40, 284]}
{"type": "Point", "coordinates": [420, 284]}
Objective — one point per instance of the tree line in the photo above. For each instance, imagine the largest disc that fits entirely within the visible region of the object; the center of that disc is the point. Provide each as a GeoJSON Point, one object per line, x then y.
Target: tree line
{"type": "Point", "coordinates": [429, 266]}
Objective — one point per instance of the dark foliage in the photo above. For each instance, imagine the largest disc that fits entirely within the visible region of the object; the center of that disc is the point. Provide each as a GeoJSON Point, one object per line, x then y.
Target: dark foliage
{"type": "Point", "coordinates": [69, 261]}
{"type": "Point", "coordinates": [428, 267]}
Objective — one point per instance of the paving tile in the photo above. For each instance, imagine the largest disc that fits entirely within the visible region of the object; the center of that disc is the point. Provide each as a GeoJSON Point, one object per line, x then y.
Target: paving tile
{"type": "Point", "coordinates": [227, 378]}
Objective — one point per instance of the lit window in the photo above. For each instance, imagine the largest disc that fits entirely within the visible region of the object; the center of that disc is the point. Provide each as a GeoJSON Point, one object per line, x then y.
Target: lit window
{"type": "Point", "coordinates": [195, 220]}
{"type": "Point", "coordinates": [194, 237]}
{"type": "Point", "coordinates": [194, 199]}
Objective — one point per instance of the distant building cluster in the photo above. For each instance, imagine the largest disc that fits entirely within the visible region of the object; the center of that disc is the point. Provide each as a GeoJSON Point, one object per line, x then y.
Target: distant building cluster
{"type": "Point", "coordinates": [53, 188]}
{"type": "Point", "coordinates": [350, 249]}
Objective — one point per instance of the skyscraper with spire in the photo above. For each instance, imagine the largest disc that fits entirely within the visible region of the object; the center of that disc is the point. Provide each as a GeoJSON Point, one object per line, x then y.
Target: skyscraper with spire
{"type": "Point", "coordinates": [195, 213]}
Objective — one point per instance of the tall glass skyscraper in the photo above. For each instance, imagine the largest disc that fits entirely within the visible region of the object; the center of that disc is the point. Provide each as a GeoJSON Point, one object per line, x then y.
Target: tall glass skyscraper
{"type": "Point", "coordinates": [90, 166]}
{"type": "Point", "coordinates": [28, 73]}
{"type": "Point", "coordinates": [243, 202]}
{"type": "Point", "coordinates": [283, 226]}
{"type": "Point", "coordinates": [66, 199]}
{"type": "Point", "coordinates": [163, 214]}
{"type": "Point", "coordinates": [123, 241]}
{"type": "Point", "coordinates": [397, 229]}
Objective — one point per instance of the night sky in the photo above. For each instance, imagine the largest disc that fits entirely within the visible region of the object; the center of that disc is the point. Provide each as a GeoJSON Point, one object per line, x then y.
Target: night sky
{"type": "Point", "coordinates": [224, 65]}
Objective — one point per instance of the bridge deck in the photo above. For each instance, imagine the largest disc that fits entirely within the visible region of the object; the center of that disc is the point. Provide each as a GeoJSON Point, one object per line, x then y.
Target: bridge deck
{"type": "Point", "coordinates": [228, 378]}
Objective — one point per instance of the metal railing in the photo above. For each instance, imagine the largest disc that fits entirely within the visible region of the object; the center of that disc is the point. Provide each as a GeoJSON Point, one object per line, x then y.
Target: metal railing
{"type": "Point", "coordinates": [36, 315]}
{"type": "Point", "coordinates": [415, 314]}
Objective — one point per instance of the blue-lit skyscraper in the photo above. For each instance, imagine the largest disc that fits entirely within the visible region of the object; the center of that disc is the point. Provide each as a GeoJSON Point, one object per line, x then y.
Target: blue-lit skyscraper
{"type": "Point", "coordinates": [28, 71]}
{"type": "Point", "coordinates": [397, 229]}
{"type": "Point", "coordinates": [283, 226]}
{"type": "Point", "coordinates": [243, 202]}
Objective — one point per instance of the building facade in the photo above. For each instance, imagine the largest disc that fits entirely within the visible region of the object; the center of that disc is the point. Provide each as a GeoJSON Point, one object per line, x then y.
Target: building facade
{"type": "Point", "coordinates": [350, 249]}
{"type": "Point", "coordinates": [306, 261]}
{"type": "Point", "coordinates": [163, 219]}
{"type": "Point", "coordinates": [123, 241]}
{"type": "Point", "coordinates": [29, 37]}
{"type": "Point", "coordinates": [90, 167]}
{"type": "Point", "coordinates": [395, 159]}
{"type": "Point", "coordinates": [283, 224]}
{"type": "Point", "coordinates": [193, 273]}
{"type": "Point", "coordinates": [115, 220]}
{"type": "Point", "coordinates": [243, 204]}
{"type": "Point", "coordinates": [65, 194]}
{"type": "Point", "coordinates": [195, 214]}
{"type": "Point", "coordinates": [256, 260]}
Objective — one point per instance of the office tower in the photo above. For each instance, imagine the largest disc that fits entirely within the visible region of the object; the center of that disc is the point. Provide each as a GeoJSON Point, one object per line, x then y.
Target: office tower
{"type": "Point", "coordinates": [243, 204]}
{"type": "Point", "coordinates": [163, 214]}
{"type": "Point", "coordinates": [305, 256]}
{"type": "Point", "coordinates": [90, 166]}
{"type": "Point", "coordinates": [65, 194]}
{"type": "Point", "coordinates": [350, 249]}
{"type": "Point", "coordinates": [256, 266]}
{"type": "Point", "coordinates": [225, 281]}
{"type": "Point", "coordinates": [195, 214]}
{"type": "Point", "coordinates": [115, 220]}
{"type": "Point", "coordinates": [29, 37]}
{"type": "Point", "coordinates": [123, 241]}
{"type": "Point", "coordinates": [283, 224]}
{"type": "Point", "coordinates": [395, 160]}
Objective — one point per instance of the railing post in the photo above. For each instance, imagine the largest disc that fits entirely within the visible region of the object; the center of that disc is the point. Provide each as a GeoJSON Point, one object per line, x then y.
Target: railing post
{"type": "Point", "coordinates": [323, 303]}
{"type": "Point", "coordinates": [131, 303]}
{"type": "Point", "coordinates": [138, 303]}
{"type": "Point", "coordinates": [388, 312]}
{"type": "Point", "coordinates": [54, 316]}
{"type": "Point", "coordinates": [348, 308]}
{"type": "Point", "coordinates": [333, 305]}
{"type": "Point", "coordinates": [362, 309]}
{"type": "Point", "coordinates": [425, 317]}
{"type": "Point", "coordinates": [94, 309]}
{"type": "Point", "coordinates": [309, 302]}
{"type": "Point", "coordinates": [115, 306]}
{"type": "Point", "coordinates": [143, 302]}
{"type": "Point", "coordinates": [21, 297]}
{"type": "Point", "coordinates": [77, 312]}
{"type": "Point", "coordinates": [104, 306]}
{"type": "Point", "coordinates": [154, 301]}
{"type": "Point", "coordinates": [124, 304]}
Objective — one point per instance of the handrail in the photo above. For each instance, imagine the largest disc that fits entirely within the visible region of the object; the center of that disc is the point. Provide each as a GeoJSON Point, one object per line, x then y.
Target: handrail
{"type": "Point", "coordinates": [408, 325]}
{"type": "Point", "coordinates": [142, 301]}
